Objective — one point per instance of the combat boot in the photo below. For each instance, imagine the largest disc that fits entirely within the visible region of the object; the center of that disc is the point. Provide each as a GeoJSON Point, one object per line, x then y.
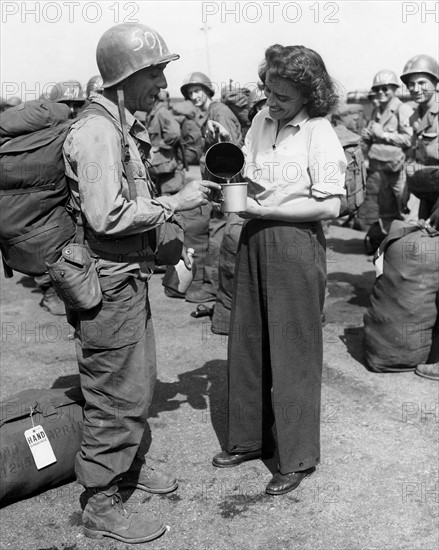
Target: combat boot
{"type": "Point", "coordinates": [105, 516]}
{"type": "Point", "coordinates": [147, 478]}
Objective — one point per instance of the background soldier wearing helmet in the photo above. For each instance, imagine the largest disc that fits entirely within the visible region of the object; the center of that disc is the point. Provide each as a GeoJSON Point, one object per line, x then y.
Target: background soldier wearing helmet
{"type": "Point", "coordinates": [115, 344]}
{"type": "Point", "coordinates": [71, 93]}
{"type": "Point", "coordinates": [229, 245]}
{"type": "Point", "coordinates": [198, 88]}
{"type": "Point", "coordinates": [166, 169]}
{"type": "Point", "coordinates": [387, 137]}
{"type": "Point", "coordinates": [95, 84]}
{"type": "Point", "coordinates": [421, 76]}
{"type": "Point", "coordinates": [350, 115]}
{"type": "Point", "coordinates": [256, 102]}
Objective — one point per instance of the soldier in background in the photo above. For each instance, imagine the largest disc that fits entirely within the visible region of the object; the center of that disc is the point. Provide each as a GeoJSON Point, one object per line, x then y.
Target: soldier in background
{"type": "Point", "coordinates": [95, 84]}
{"type": "Point", "coordinates": [421, 76]}
{"type": "Point", "coordinates": [71, 93]}
{"type": "Point", "coordinates": [198, 88]}
{"type": "Point", "coordinates": [166, 169]}
{"type": "Point", "coordinates": [350, 115]}
{"type": "Point", "coordinates": [386, 138]}
{"type": "Point", "coordinates": [221, 311]}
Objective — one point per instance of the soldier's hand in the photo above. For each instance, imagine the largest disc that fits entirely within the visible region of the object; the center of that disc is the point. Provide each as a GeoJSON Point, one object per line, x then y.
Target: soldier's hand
{"type": "Point", "coordinates": [376, 130]}
{"type": "Point", "coordinates": [218, 131]}
{"type": "Point", "coordinates": [195, 193]}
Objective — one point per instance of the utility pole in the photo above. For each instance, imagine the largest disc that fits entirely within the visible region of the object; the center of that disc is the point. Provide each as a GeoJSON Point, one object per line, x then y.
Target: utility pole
{"type": "Point", "coordinates": [205, 28]}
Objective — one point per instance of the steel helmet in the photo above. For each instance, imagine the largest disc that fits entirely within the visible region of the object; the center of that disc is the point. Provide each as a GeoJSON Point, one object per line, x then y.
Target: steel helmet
{"type": "Point", "coordinates": [197, 78]}
{"type": "Point", "coordinates": [64, 92]}
{"type": "Point", "coordinates": [421, 64]}
{"type": "Point", "coordinates": [127, 48]}
{"type": "Point", "coordinates": [385, 77]}
{"type": "Point", "coordinates": [94, 85]}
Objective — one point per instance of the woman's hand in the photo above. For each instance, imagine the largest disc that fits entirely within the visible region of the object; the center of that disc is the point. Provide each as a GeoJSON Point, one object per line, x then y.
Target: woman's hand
{"type": "Point", "coordinates": [254, 210]}
{"type": "Point", "coordinates": [218, 131]}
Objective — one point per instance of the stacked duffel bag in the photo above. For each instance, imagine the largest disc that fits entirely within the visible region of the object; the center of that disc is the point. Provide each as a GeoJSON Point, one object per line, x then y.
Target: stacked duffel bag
{"type": "Point", "coordinates": [401, 325]}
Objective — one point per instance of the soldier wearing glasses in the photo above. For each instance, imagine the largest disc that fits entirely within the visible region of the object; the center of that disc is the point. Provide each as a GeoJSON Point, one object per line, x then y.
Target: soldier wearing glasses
{"type": "Point", "coordinates": [387, 137]}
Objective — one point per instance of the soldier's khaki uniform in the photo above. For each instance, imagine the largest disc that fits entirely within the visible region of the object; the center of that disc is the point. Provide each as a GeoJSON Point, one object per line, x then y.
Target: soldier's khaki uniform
{"type": "Point", "coordinates": [423, 170]}
{"type": "Point", "coordinates": [386, 177]}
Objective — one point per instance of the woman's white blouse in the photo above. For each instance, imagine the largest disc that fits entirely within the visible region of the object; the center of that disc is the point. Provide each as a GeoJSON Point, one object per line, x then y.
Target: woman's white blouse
{"type": "Point", "coordinates": [304, 160]}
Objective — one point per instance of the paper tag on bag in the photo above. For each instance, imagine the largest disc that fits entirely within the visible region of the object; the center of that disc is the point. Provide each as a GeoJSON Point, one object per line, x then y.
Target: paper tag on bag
{"type": "Point", "coordinates": [40, 447]}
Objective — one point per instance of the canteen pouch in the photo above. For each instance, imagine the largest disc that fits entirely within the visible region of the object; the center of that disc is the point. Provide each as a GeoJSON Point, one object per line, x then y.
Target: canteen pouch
{"type": "Point", "coordinates": [75, 278]}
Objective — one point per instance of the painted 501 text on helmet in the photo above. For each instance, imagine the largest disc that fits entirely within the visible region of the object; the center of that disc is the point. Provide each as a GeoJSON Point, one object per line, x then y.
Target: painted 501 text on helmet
{"type": "Point", "coordinates": [127, 48]}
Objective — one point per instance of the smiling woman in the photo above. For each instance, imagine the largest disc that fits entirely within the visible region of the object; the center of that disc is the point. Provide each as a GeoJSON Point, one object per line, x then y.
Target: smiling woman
{"type": "Point", "coordinates": [275, 363]}
{"type": "Point", "coordinates": [301, 76]}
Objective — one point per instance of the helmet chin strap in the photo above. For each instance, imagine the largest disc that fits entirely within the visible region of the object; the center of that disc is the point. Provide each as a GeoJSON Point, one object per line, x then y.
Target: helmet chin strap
{"type": "Point", "coordinates": [126, 148]}
{"type": "Point", "coordinates": [123, 120]}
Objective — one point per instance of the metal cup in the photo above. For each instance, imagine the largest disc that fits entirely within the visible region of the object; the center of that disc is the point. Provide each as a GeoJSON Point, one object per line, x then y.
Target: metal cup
{"type": "Point", "coordinates": [234, 196]}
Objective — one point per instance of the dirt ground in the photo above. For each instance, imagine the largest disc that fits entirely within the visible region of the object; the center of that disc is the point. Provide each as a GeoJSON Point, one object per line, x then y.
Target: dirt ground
{"type": "Point", "coordinates": [376, 487]}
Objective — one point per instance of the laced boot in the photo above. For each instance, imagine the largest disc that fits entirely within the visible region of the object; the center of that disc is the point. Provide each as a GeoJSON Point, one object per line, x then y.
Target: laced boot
{"type": "Point", "coordinates": [149, 479]}
{"type": "Point", "coordinates": [105, 516]}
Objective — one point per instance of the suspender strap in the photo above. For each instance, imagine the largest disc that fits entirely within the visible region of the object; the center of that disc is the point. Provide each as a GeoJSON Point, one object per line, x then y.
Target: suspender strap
{"type": "Point", "coordinates": [125, 248]}
{"type": "Point", "coordinates": [126, 157]}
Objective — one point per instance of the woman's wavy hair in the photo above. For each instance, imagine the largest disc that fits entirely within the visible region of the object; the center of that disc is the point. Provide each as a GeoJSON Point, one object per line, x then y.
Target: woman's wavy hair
{"type": "Point", "coordinates": [305, 69]}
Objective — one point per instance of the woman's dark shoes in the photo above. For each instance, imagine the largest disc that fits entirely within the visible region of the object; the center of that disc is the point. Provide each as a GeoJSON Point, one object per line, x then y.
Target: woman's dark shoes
{"type": "Point", "coordinates": [284, 483]}
{"type": "Point", "coordinates": [228, 460]}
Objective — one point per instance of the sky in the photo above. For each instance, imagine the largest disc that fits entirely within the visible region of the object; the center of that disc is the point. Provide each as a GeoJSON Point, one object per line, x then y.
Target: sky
{"type": "Point", "coordinates": [45, 42]}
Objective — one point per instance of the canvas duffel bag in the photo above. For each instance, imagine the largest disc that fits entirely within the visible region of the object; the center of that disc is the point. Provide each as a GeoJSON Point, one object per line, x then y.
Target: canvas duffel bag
{"type": "Point", "coordinates": [59, 412]}
{"type": "Point", "coordinates": [399, 325]}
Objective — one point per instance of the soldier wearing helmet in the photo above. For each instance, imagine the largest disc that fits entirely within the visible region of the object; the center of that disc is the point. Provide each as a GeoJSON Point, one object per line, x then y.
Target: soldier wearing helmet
{"type": "Point", "coordinates": [421, 77]}
{"type": "Point", "coordinates": [387, 138]}
{"type": "Point", "coordinates": [229, 245]}
{"type": "Point", "coordinates": [106, 159]}
{"type": "Point", "coordinates": [198, 88]}
{"type": "Point", "coordinates": [95, 84]}
{"type": "Point", "coordinates": [166, 169]}
{"type": "Point", "coordinates": [71, 93]}
{"type": "Point", "coordinates": [256, 101]}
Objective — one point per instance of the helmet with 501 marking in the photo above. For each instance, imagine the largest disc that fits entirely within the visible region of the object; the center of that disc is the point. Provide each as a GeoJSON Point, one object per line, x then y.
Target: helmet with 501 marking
{"type": "Point", "coordinates": [127, 48]}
